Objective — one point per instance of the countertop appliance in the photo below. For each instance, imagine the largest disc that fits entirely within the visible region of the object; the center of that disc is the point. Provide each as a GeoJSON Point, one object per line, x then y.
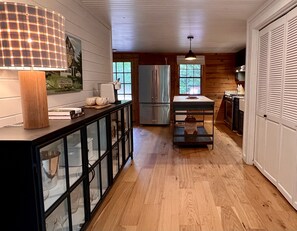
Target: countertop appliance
{"type": "Point", "coordinates": [107, 91]}
{"type": "Point", "coordinates": [154, 94]}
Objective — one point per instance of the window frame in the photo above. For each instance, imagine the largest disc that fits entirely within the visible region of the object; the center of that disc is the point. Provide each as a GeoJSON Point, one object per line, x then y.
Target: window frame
{"type": "Point", "coordinates": [115, 74]}
{"type": "Point", "coordinates": [188, 77]}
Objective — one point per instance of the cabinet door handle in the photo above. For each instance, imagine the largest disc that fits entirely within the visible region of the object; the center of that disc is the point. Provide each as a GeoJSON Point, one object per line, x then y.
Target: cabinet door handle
{"type": "Point", "coordinates": [265, 116]}
{"type": "Point", "coordinates": [93, 173]}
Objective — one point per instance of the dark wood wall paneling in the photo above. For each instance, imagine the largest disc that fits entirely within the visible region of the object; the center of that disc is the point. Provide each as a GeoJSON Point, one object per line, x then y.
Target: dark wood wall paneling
{"type": "Point", "coordinates": [218, 75]}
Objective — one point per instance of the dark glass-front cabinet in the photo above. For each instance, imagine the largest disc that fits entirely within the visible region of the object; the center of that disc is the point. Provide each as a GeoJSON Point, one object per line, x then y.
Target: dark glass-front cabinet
{"type": "Point", "coordinates": [66, 170]}
{"type": "Point", "coordinates": [61, 170]}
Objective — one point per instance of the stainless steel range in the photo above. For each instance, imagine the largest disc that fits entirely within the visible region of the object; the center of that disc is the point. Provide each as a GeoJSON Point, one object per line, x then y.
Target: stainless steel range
{"type": "Point", "coordinates": [231, 106]}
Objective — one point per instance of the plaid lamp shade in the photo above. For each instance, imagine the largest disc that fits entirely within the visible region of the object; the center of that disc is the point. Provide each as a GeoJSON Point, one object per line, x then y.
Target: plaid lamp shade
{"type": "Point", "coordinates": [31, 37]}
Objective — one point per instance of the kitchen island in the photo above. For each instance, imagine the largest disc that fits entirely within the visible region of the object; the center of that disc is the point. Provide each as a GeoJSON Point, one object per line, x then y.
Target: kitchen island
{"type": "Point", "coordinates": [189, 111]}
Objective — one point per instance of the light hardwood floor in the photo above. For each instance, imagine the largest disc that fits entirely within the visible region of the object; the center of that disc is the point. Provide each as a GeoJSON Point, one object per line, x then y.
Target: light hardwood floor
{"type": "Point", "coordinates": [167, 188]}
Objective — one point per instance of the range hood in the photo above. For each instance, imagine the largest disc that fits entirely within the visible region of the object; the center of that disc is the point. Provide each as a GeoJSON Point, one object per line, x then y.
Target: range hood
{"type": "Point", "coordinates": [240, 73]}
{"type": "Point", "coordinates": [240, 68]}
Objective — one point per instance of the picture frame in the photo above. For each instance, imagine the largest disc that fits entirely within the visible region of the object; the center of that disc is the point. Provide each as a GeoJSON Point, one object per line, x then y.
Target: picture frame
{"type": "Point", "coordinates": [70, 80]}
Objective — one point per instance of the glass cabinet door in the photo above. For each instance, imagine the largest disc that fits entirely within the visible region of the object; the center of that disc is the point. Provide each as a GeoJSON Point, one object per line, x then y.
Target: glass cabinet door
{"type": "Point", "coordinates": [104, 175]}
{"type": "Point", "coordinates": [62, 160]}
{"type": "Point", "coordinates": [93, 142]}
{"type": "Point", "coordinates": [77, 207]}
{"type": "Point", "coordinates": [52, 172]}
{"type": "Point", "coordinates": [130, 142]}
{"type": "Point", "coordinates": [120, 154]}
{"type": "Point", "coordinates": [120, 123]}
{"type": "Point", "coordinates": [97, 141]}
{"type": "Point", "coordinates": [114, 128]}
{"type": "Point", "coordinates": [127, 146]}
{"type": "Point", "coordinates": [58, 219]}
{"type": "Point", "coordinates": [74, 156]}
{"type": "Point", "coordinates": [126, 118]}
{"type": "Point", "coordinates": [75, 172]}
{"type": "Point", "coordinates": [103, 136]}
{"type": "Point", "coordinates": [115, 160]}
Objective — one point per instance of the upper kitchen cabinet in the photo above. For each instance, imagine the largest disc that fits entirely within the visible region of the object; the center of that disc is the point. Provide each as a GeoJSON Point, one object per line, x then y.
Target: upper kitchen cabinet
{"type": "Point", "coordinates": [240, 58]}
{"type": "Point", "coordinates": [240, 66]}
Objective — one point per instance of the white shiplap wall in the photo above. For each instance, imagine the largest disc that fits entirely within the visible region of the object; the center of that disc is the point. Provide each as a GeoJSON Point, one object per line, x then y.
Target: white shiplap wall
{"type": "Point", "coordinates": [95, 37]}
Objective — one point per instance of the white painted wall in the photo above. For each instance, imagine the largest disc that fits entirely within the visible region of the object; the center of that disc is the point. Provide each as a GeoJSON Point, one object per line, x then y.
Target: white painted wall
{"type": "Point", "coordinates": [272, 10]}
{"type": "Point", "coordinates": [95, 37]}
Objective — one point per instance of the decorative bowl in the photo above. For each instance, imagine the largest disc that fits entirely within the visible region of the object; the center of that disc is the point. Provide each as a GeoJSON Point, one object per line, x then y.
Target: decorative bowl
{"type": "Point", "coordinates": [91, 101]}
{"type": "Point", "coordinates": [101, 101]}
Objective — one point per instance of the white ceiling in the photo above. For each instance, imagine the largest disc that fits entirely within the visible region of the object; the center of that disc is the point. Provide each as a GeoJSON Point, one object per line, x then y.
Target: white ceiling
{"type": "Point", "coordinates": [218, 26]}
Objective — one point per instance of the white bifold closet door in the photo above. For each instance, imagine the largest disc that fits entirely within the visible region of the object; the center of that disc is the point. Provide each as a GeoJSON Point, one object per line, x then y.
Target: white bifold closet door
{"type": "Point", "coordinates": [260, 143]}
{"type": "Point", "coordinates": [270, 72]}
{"type": "Point", "coordinates": [287, 180]}
{"type": "Point", "coordinates": [276, 114]}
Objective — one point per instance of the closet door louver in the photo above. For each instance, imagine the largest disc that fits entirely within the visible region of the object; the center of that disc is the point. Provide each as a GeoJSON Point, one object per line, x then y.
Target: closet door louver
{"type": "Point", "coordinates": [262, 74]}
{"type": "Point", "coordinates": [289, 114]}
{"type": "Point", "coordinates": [276, 72]}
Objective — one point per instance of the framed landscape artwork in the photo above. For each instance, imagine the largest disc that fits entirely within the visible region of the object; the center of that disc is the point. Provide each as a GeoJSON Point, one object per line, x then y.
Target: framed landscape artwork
{"type": "Point", "coordinates": [70, 80]}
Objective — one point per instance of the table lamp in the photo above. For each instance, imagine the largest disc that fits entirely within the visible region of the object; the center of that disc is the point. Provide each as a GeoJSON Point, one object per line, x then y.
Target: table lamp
{"type": "Point", "coordinates": [32, 41]}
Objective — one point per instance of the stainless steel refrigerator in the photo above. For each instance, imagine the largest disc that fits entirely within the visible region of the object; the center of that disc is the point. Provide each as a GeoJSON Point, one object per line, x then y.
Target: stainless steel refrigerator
{"type": "Point", "coordinates": [154, 94]}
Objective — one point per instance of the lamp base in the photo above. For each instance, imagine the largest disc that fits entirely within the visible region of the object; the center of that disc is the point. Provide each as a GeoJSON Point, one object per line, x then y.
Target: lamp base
{"type": "Point", "coordinates": [34, 99]}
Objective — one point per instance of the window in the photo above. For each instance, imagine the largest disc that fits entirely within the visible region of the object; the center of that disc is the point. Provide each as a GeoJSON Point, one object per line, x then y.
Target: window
{"type": "Point", "coordinates": [190, 79]}
{"type": "Point", "coordinates": [122, 71]}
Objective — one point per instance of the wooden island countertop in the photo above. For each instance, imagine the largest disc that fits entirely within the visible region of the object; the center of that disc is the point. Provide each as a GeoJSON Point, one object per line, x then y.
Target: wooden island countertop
{"type": "Point", "coordinates": [192, 102]}
{"type": "Point", "coordinates": [194, 99]}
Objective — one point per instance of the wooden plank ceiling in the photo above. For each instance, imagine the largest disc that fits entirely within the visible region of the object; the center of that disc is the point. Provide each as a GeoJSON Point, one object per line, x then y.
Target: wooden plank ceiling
{"type": "Point", "coordinates": [218, 26]}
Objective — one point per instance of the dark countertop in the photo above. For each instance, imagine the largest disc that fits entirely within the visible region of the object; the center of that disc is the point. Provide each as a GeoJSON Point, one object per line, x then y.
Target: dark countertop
{"type": "Point", "coordinates": [18, 133]}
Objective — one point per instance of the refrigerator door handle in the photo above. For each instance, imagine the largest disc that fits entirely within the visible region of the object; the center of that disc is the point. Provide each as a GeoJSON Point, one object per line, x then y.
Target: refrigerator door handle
{"type": "Point", "coordinates": [155, 86]}
{"type": "Point", "coordinates": [153, 89]}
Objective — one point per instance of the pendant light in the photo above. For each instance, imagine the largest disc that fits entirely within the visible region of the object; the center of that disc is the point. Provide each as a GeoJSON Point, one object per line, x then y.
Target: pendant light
{"type": "Point", "coordinates": [190, 55]}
